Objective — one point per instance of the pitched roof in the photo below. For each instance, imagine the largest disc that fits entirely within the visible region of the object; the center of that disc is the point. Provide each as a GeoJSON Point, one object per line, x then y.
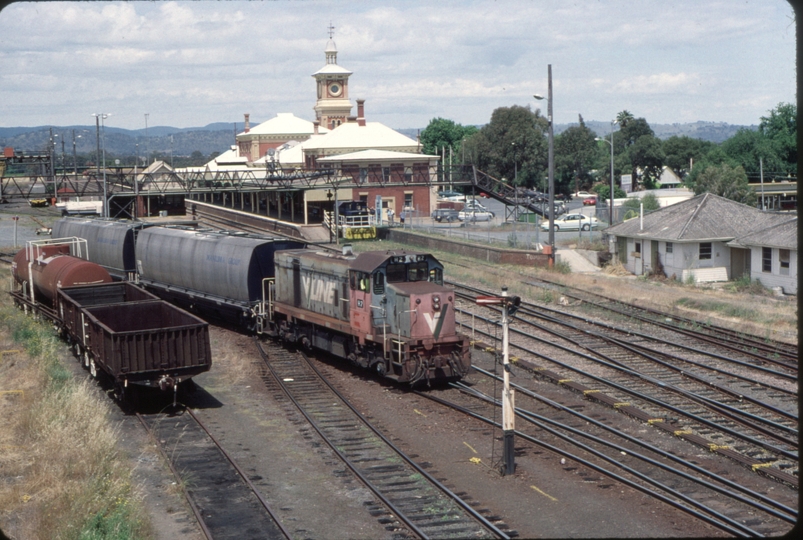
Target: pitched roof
{"type": "Point", "coordinates": [781, 235]}
{"type": "Point", "coordinates": [701, 218]}
{"type": "Point", "coordinates": [351, 135]}
{"type": "Point", "coordinates": [376, 155]}
{"type": "Point", "coordinates": [284, 124]}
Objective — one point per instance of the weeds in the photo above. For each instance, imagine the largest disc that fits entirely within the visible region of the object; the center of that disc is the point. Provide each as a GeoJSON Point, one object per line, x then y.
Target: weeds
{"type": "Point", "coordinates": [70, 480]}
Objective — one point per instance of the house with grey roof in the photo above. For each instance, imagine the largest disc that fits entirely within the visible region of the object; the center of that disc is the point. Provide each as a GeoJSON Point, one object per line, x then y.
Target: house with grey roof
{"type": "Point", "coordinates": [690, 239]}
{"type": "Point", "coordinates": [773, 255]}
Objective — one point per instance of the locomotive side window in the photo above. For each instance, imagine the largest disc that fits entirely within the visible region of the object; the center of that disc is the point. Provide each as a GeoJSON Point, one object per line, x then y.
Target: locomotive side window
{"type": "Point", "coordinates": [359, 281]}
{"type": "Point", "coordinates": [436, 275]}
{"type": "Point", "coordinates": [417, 271]}
{"type": "Point", "coordinates": [396, 273]}
{"type": "Point", "coordinates": [379, 283]}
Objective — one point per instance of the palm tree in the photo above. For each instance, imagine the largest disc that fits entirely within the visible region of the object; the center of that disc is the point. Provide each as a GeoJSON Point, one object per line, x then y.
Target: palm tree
{"type": "Point", "coordinates": [624, 117]}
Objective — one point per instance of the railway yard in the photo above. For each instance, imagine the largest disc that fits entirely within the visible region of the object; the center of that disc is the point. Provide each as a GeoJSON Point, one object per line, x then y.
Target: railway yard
{"type": "Point", "coordinates": [635, 417]}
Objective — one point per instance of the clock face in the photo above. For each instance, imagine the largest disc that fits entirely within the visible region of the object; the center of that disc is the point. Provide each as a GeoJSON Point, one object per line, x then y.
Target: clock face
{"type": "Point", "coordinates": [335, 89]}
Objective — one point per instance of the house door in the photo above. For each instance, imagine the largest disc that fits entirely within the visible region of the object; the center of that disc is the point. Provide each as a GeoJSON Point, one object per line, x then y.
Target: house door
{"type": "Point", "coordinates": [740, 263]}
{"type": "Point", "coordinates": [655, 262]}
{"type": "Point", "coordinates": [638, 260]}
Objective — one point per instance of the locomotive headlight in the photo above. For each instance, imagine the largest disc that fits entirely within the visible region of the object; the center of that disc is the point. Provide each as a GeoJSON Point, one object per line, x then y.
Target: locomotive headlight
{"type": "Point", "coordinates": [436, 303]}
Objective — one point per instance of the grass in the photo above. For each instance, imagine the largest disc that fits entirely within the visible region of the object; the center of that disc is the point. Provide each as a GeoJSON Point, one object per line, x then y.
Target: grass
{"type": "Point", "coordinates": [69, 481]}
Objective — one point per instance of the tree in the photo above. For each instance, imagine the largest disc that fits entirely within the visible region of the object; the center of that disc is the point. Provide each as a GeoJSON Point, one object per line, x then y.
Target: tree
{"type": "Point", "coordinates": [623, 118]}
{"type": "Point", "coordinates": [726, 181]}
{"type": "Point", "coordinates": [575, 152]}
{"type": "Point", "coordinates": [780, 129]}
{"type": "Point", "coordinates": [641, 150]}
{"type": "Point", "coordinates": [443, 133]}
{"type": "Point", "coordinates": [604, 189]}
{"type": "Point", "coordinates": [513, 144]}
{"type": "Point", "coordinates": [683, 152]}
{"type": "Point", "coordinates": [649, 201]}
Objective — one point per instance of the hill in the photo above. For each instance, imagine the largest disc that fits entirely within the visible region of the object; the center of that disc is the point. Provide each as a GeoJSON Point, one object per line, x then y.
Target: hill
{"type": "Point", "coordinates": [219, 137]}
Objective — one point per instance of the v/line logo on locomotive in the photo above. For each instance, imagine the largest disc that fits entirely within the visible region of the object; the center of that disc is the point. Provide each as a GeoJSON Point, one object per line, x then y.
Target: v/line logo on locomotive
{"type": "Point", "coordinates": [320, 289]}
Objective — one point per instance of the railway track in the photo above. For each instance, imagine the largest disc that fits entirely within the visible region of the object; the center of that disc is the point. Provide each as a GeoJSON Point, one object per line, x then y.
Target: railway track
{"type": "Point", "coordinates": [592, 444]}
{"type": "Point", "coordinates": [223, 499]}
{"type": "Point", "coordinates": [410, 501]}
{"type": "Point", "coordinates": [753, 430]}
{"type": "Point", "coordinates": [763, 350]}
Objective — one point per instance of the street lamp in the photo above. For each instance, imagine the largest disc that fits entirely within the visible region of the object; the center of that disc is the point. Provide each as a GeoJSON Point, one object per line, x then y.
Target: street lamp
{"type": "Point", "coordinates": [551, 167]}
{"type": "Point", "coordinates": [610, 219]}
{"type": "Point", "coordinates": [99, 118]}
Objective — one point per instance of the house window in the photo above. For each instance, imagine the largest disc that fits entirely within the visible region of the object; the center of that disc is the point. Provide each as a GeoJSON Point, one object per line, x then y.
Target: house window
{"type": "Point", "coordinates": [669, 247]}
{"type": "Point", "coordinates": [705, 251]}
{"type": "Point", "coordinates": [766, 259]}
{"type": "Point", "coordinates": [408, 200]}
{"type": "Point", "coordinates": [363, 175]}
{"type": "Point", "coordinates": [783, 258]}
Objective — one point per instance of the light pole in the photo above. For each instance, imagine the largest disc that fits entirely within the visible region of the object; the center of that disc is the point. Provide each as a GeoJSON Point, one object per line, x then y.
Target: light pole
{"type": "Point", "coordinates": [100, 117]}
{"type": "Point", "coordinates": [610, 218]}
{"type": "Point", "coordinates": [551, 167]}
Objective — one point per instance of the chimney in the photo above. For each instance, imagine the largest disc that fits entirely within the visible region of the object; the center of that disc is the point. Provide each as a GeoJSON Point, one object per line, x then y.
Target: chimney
{"type": "Point", "coordinates": [360, 112]}
{"type": "Point", "coordinates": [315, 125]}
{"type": "Point", "coordinates": [247, 122]}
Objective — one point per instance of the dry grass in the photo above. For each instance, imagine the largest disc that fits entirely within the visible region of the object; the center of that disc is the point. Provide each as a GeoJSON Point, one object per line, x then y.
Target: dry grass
{"type": "Point", "coordinates": [60, 472]}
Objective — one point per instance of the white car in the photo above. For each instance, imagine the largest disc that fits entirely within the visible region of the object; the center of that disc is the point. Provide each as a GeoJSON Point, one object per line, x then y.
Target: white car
{"type": "Point", "coordinates": [475, 215]}
{"type": "Point", "coordinates": [583, 195]}
{"type": "Point", "coordinates": [572, 222]}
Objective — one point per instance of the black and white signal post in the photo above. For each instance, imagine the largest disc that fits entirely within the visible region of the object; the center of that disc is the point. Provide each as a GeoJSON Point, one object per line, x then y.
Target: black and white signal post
{"type": "Point", "coordinates": [509, 304]}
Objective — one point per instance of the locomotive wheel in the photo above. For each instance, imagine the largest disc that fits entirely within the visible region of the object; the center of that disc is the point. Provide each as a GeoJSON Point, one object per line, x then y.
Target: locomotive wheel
{"type": "Point", "coordinates": [380, 368]}
{"type": "Point", "coordinates": [86, 359]}
{"type": "Point", "coordinates": [92, 369]}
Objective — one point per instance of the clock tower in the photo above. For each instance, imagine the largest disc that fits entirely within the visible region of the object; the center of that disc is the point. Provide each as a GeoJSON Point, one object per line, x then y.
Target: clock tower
{"type": "Point", "coordinates": [333, 106]}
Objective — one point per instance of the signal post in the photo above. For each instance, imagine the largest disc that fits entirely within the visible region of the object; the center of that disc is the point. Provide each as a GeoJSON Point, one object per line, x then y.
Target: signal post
{"type": "Point", "coordinates": [510, 304]}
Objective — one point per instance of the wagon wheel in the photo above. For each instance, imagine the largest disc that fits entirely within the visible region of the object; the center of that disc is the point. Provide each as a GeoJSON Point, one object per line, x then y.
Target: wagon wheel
{"type": "Point", "coordinates": [380, 368]}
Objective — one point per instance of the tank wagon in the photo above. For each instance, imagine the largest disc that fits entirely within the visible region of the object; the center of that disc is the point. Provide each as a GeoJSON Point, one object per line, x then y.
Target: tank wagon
{"type": "Point", "coordinates": [115, 327]}
{"type": "Point", "coordinates": [387, 311]}
{"type": "Point", "coordinates": [219, 274]}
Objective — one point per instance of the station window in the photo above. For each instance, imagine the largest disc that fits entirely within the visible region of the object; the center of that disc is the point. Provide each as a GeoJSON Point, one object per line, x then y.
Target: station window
{"type": "Point", "coordinates": [766, 259]}
{"type": "Point", "coordinates": [705, 251]}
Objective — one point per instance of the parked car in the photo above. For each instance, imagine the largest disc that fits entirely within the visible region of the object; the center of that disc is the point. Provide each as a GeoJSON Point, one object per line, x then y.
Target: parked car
{"type": "Point", "coordinates": [475, 215]}
{"type": "Point", "coordinates": [572, 222]}
{"type": "Point", "coordinates": [353, 208]}
{"type": "Point", "coordinates": [445, 214]}
{"type": "Point", "coordinates": [474, 204]}
{"type": "Point", "coordinates": [583, 195]}
{"type": "Point", "coordinates": [590, 201]}
{"type": "Point", "coordinates": [451, 196]}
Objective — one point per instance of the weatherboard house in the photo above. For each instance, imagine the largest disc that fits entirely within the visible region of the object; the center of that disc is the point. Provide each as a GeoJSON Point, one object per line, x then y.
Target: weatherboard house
{"type": "Point", "coordinates": [710, 238]}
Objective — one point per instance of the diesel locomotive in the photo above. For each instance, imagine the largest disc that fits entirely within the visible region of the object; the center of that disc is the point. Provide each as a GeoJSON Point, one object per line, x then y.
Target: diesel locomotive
{"type": "Point", "coordinates": [386, 311]}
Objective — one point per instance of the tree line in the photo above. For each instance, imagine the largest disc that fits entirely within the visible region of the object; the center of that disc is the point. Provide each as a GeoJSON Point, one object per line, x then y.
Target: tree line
{"type": "Point", "coordinates": [513, 147]}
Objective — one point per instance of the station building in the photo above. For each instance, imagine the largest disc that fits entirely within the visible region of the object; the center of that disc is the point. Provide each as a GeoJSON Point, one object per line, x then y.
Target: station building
{"type": "Point", "coordinates": [371, 162]}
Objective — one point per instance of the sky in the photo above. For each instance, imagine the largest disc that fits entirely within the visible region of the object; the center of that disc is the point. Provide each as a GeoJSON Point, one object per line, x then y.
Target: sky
{"type": "Point", "coordinates": [189, 64]}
